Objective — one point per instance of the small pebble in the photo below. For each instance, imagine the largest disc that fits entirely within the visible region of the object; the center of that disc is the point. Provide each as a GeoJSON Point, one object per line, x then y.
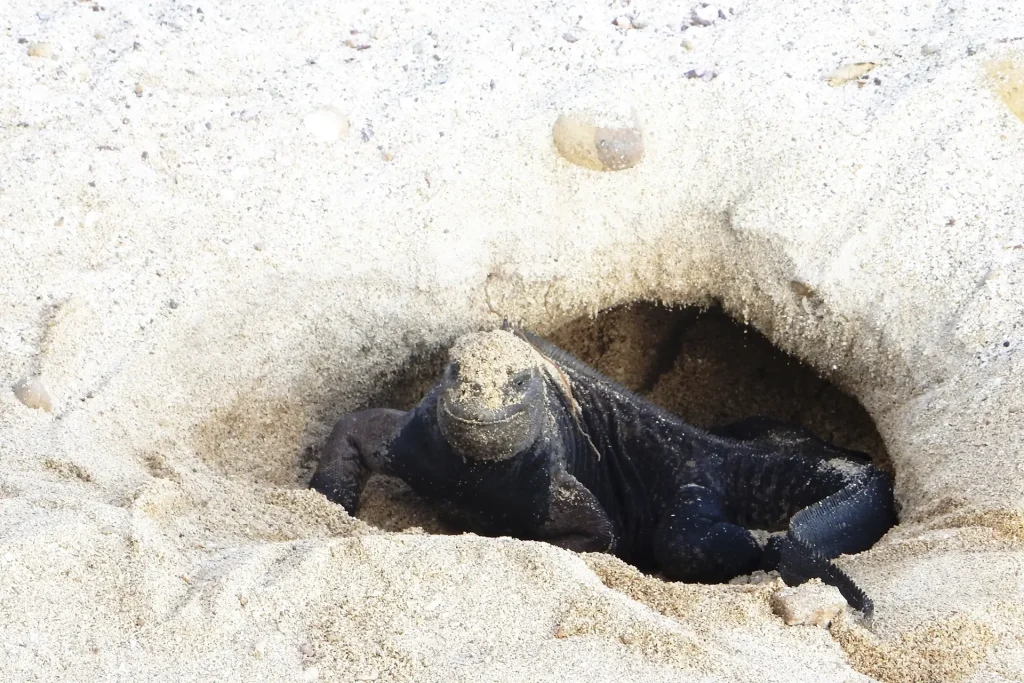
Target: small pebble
{"type": "Point", "coordinates": [370, 675]}
{"type": "Point", "coordinates": [80, 72]}
{"type": "Point", "coordinates": [259, 650]}
{"type": "Point", "coordinates": [355, 44]}
{"type": "Point", "coordinates": [933, 45]}
{"type": "Point", "coordinates": [43, 50]}
{"type": "Point", "coordinates": [248, 114]}
{"type": "Point", "coordinates": [138, 90]}
{"type": "Point", "coordinates": [850, 72]}
{"type": "Point", "coordinates": [569, 37]}
{"type": "Point", "coordinates": [754, 578]}
{"type": "Point", "coordinates": [598, 148]}
{"type": "Point", "coordinates": [327, 124]}
{"type": "Point", "coordinates": [703, 74]}
{"type": "Point", "coordinates": [31, 392]}
{"type": "Point", "coordinates": [623, 22]}
{"type": "Point", "coordinates": [1006, 78]}
{"type": "Point", "coordinates": [802, 289]}
{"type": "Point", "coordinates": [307, 649]}
{"type": "Point", "coordinates": [311, 674]}
{"type": "Point", "coordinates": [704, 15]}
{"type": "Point", "coordinates": [811, 604]}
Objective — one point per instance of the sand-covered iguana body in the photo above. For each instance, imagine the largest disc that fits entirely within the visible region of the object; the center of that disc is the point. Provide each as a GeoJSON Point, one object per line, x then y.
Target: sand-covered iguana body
{"type": "Point", "coordinates": [521, 439]}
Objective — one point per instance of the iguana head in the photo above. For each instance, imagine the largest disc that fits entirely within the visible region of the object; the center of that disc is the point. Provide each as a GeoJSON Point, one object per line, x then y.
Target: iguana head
{"type": "Point", "coordinates": [492, 399]}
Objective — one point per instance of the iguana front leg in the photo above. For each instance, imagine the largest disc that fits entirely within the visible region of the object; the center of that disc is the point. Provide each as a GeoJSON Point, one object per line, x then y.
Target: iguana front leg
{"type": "Point", "coordinates": [576, 520]}
{"type": "Point", "coordinates": [354, 450]}
{"type": "Point", "coordinates": [465, 520]}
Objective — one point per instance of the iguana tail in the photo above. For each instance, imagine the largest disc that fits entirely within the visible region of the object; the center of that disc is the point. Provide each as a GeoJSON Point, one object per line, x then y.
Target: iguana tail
{"type": "Point", "coordinates": [849, 521]}
{"type": "Point", "coordinates": [834, 500]}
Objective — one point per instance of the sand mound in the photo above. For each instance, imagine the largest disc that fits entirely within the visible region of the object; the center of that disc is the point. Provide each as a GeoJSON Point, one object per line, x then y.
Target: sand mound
{"type": "Point", "coordinates": [222, 226]}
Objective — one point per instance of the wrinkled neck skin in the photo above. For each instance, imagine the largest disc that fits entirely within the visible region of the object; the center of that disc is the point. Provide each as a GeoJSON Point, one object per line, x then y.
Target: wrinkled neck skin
{"type": "Point", "coordinates": [617, 452]}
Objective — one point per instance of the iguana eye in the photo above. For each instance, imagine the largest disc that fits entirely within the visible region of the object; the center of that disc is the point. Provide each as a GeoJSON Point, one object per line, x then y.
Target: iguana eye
{"type": "Point", "coordinates": [522, 380]}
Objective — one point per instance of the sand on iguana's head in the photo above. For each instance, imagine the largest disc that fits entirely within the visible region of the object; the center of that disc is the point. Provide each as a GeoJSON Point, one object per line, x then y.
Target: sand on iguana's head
{"type": "Point", "coordinates": [487, 361]}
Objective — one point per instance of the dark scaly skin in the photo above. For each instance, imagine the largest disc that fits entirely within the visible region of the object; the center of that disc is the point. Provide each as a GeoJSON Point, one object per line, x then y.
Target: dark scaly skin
{"type": "Point", "coordinates": [615, 473]}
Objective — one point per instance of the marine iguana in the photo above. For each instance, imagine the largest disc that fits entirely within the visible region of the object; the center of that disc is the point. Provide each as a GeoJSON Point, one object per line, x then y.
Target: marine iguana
{"type": "Point", "coordinates": [520, 438]}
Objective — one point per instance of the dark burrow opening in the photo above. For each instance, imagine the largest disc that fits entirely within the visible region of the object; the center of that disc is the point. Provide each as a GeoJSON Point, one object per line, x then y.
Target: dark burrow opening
{"type": "Point", "coordinates": [697, 363]}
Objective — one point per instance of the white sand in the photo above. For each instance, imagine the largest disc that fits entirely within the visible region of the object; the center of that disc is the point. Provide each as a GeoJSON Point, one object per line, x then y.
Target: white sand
{"type": "Point", "coordinates": [220, 230]}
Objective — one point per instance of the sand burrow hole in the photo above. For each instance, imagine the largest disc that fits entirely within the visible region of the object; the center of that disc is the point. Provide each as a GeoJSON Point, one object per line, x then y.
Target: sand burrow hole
{"type": "Point", "coordinates": [699, 364]}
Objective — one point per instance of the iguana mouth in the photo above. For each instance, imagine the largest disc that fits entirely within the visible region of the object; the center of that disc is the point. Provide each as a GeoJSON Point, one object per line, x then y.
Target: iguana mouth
{"type": "Point", "coordinates": [478, 416]}
{"type": "Point", "coordinates": [480, 409]}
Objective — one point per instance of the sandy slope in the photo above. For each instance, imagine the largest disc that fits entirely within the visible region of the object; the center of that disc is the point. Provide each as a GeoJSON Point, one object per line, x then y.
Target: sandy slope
{"type": "Point", "coordinates": [203, 279]}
